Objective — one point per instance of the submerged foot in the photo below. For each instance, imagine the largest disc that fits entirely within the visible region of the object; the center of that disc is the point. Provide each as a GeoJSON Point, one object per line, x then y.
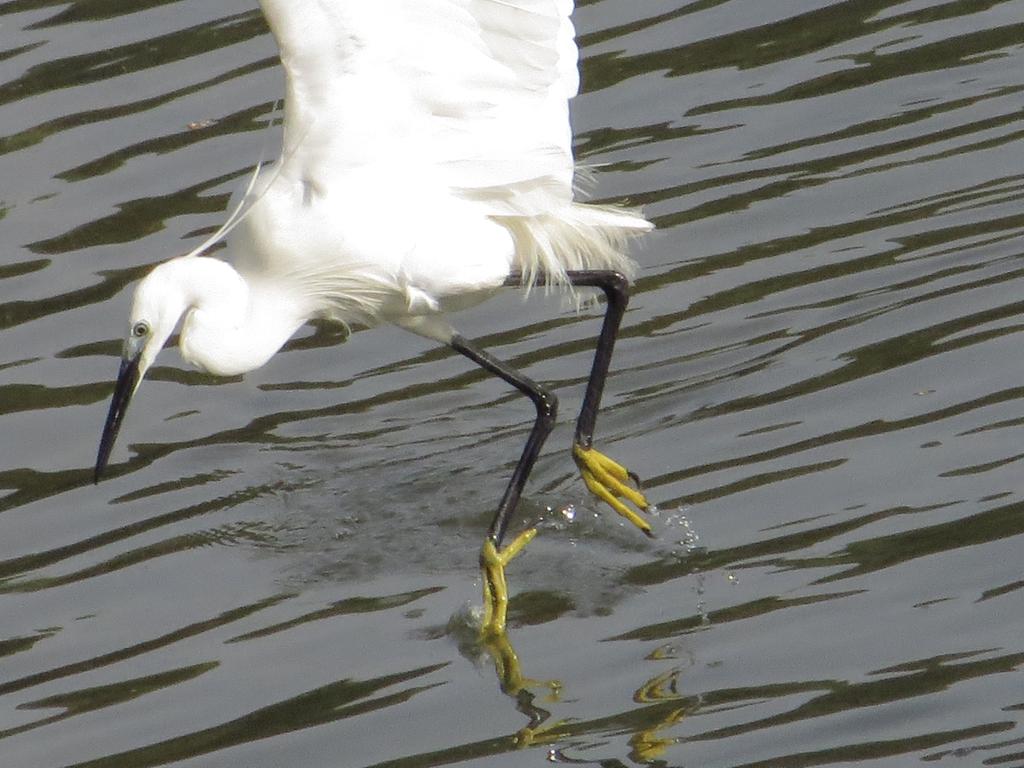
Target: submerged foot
{"type": "Point", "coordinates": [492, 566]}
{"type": "Point", "coordinates": [612, 483]}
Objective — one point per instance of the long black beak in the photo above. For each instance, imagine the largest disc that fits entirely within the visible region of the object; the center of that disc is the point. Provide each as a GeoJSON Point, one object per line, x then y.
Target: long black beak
{"type": "Point", "coordinates": [127, 380]}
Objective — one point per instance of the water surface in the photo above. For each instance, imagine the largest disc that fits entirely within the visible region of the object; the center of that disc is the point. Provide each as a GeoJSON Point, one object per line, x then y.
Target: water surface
{"type": "Point", "coordinates": [819, 379]}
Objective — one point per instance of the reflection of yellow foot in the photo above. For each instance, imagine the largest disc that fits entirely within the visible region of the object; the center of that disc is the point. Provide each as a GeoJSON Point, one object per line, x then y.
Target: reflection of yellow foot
{"type": "Point", "coordinates": [548, 734]}
{"type": "Point", "coordinates": [610, 482]}
{"type": "Point", "coordinates": [521, 690]}
{"type": "Point", "coordinates": [510, 674]}
{"type": "Point", "coordinates": [648, 745]}
{"type": "Point", "coordinates": [492, 565]}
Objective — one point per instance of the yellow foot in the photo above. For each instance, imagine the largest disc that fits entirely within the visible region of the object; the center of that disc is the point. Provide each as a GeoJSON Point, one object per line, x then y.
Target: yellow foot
{"type": "Point", "coordinates": [492, 566]}
{"type": "Point", "coordinates": [610, 482]}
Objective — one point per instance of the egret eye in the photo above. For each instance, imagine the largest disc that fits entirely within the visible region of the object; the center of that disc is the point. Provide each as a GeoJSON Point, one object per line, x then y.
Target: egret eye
{"type": "Point", "coordinates": [140, 329]}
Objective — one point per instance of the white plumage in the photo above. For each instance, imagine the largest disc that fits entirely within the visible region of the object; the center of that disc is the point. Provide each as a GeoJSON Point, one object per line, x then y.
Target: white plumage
{"type": "Point", "coordinates": [427, 152]}
{"type": "Point", "coordinates": [426, 155]}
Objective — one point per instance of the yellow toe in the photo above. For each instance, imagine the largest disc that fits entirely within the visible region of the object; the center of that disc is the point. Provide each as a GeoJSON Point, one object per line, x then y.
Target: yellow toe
{"type": "Point", "coordinates": [492, 567]}
{"type": "Point", "coordinates": [609, 481]}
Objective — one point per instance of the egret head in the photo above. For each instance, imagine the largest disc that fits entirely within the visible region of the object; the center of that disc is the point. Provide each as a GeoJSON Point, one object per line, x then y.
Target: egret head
{"type": "Point", "coordinates": [158, 305]}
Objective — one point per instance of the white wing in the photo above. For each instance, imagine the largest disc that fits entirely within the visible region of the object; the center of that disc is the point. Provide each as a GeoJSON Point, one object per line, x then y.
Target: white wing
{"type": "Point", "coordinates": [474, 90]}
{"type": "Point", "coordinates": [460, 98]}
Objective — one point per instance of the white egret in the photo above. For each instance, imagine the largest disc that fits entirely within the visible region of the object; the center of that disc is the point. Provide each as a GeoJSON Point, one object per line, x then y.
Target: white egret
{"type": "Point", "coordinates": [426, 164]}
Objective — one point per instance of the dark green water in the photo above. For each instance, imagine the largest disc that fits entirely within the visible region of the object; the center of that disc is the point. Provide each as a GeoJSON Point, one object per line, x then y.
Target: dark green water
{"type": "Point", "coordinates": [819, 378]}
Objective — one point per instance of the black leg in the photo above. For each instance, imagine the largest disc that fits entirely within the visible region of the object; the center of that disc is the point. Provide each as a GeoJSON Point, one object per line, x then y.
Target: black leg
{"type": "Point", "coordinates": [616, 291]}
{"type": "Point", "coordinates": [605, 478]}
{"type": "Point", "coordinates": [547, 408]}
{"type": "Point", "coordinates": [602, 476]}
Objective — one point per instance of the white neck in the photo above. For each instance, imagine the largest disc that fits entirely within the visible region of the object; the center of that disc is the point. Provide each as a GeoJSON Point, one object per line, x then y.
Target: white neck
{"type": "Point", "coordinates": [232, 326]}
